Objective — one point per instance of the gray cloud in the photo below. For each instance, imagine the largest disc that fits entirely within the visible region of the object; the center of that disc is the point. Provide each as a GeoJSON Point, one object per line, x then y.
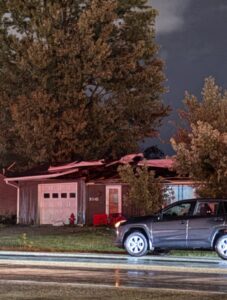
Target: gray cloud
{"type": "Point", "coordinates": [222, 6]}
{"type": "Point", "coordinates": [171, 14]}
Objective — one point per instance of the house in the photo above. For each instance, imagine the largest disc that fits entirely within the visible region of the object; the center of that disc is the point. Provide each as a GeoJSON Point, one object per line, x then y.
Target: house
{"type": "Point", "coordinates": [50, 195]}
{"type": "Point", "coordinates": [180, 189]}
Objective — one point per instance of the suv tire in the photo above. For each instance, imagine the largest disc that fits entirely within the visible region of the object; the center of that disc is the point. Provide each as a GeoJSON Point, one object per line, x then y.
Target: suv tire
{"type": "Point", "coordinates": [221, 246]}
{"type": "Point", "coordinates": [136, 244]}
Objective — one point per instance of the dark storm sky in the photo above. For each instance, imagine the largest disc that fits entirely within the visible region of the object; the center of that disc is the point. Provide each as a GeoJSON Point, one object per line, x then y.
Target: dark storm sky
{"type": "Point", "coordinates": [192, 35]}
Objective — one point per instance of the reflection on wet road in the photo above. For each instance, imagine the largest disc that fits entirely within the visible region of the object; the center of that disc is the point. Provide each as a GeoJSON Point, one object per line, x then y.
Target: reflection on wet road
{"type": "Point", "coordinates": [120, 260]}
{"type": "Point", "coordinates": [115, 277]}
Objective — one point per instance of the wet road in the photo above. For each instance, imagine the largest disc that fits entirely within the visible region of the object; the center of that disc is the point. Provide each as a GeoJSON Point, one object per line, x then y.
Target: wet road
{"type": "Point", "coordinates": [115, 278]}
{"type": "Point", "coordinates": [109, 260]}
{"type": "Point", "coordinates": [122, 271]}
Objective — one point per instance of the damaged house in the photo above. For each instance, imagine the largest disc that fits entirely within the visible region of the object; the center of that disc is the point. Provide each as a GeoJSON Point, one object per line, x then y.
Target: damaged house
{"type": "Point", "coordinates": [50, 195]}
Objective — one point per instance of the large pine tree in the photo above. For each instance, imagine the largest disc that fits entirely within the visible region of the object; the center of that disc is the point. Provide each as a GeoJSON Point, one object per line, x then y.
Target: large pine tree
{"type": "Point", "coordinates": [201, 146]}
{"type": "Point", "coordinates": [77, 79]}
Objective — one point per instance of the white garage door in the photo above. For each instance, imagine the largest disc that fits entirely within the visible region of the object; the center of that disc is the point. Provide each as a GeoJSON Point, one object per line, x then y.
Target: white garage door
{"type": "Point", "coordinates": [57, 201]}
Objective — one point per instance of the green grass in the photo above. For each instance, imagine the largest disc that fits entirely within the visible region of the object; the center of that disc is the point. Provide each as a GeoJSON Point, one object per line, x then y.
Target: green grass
{"type": "Point", "coordinates": [69, 239]}
{"type": "Point", "coordinates": [48, 238]}
{"type": "Point", "coordinates": [194, 253]}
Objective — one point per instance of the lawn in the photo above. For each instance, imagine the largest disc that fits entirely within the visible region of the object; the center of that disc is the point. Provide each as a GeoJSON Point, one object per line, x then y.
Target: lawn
{"type": "Point", "coordinates": [68, 239]}
{"type": "Point", "coordinates": [62, 239]}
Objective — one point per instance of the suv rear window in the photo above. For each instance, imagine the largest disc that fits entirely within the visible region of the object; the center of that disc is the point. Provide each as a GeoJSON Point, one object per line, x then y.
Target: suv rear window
{"type": "Point", "coordinates": [203, 208]}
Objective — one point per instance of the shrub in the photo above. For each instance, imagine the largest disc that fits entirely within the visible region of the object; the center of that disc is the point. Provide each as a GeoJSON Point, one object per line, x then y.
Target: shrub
{"type": "Point", "coordinates": [146, 193]}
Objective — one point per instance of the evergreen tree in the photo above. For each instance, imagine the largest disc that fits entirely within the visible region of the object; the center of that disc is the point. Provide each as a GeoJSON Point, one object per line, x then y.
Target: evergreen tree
{"type": "Point", "coordinates": [77, 79]}
{"type": "Point", "coordinates": [146, 193]}
{"type": "Point", "coordinates": [202, 148]}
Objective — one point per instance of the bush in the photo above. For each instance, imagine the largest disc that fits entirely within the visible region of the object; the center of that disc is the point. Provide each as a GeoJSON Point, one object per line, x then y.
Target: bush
{"type": "Point", "coordinates": [146, 192]}
{"type": "Point", "coordinates": [8, 219]}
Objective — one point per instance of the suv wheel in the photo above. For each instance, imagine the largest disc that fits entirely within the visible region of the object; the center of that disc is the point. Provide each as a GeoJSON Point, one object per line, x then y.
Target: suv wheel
{"type": "Point", "coordinates": [221, 247]}
{"type": "Point", "coordinates": [136, 244]}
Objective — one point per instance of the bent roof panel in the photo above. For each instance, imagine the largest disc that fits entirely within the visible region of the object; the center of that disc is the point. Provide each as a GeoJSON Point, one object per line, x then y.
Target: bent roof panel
{"type": "Point", "coordinates": [76, 165]}
{"type": "Point", "coordinates": [43, 176]}
{"type": "Point", "coordinates": [157, 163]}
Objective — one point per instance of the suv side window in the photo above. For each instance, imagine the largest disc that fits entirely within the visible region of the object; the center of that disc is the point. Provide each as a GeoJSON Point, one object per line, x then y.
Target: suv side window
{"type": "Point", "coordinates": [206, 209]}
{"type": "Point", "coordinates": [177, 211]}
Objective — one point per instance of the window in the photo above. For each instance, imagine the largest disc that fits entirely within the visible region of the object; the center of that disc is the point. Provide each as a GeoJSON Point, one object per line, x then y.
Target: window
{"type": "Point", "coordinates": [72, 195]}
{"type": "Point", "coordinates": [113, 199]}
{"type": "Point", "coordinates": [55, 195]}
{"type": "Point", "coordinates": [177, 211]}
{"type": "Point", "coordinates": [204, 209]}
{"type": "Point", "coordinates": [46, 195]}
{"type": "Point", "coordinates": [64, 195]}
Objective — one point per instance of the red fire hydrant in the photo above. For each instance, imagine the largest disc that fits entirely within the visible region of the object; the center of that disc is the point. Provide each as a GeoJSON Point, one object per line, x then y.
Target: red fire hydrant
{"type": "Point", "coordinates": [72, 219]}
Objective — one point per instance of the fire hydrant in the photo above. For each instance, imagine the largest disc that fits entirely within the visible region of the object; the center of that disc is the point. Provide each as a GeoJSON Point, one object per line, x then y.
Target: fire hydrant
{"type": "Point", "coordinates": [72, 219]}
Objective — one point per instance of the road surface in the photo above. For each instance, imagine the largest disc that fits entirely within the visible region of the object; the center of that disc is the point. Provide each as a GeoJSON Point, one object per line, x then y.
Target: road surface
{"type": "Point", "coordinates": [121, 271]}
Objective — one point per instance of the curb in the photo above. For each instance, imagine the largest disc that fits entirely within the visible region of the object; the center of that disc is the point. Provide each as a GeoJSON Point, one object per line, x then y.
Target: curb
{"type": "Point", "coordinates": [113, 257]}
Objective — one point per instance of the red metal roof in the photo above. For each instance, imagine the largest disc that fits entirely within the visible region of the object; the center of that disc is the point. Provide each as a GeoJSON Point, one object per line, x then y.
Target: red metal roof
{"type": "Point", "coordinates": [127, 159]}
{"type": "Point", "coordinates": [43, 176]}
{"type": "Point", "coordinates": [157, 163]}
{"type": "Point", "coordinates": [130, 158]}
{"type": "Point", "coordinates": [76, 165]}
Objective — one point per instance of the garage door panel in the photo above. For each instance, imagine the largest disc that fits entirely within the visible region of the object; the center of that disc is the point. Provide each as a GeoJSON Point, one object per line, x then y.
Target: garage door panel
{"type": "Point", "coordinates": [57, 201]}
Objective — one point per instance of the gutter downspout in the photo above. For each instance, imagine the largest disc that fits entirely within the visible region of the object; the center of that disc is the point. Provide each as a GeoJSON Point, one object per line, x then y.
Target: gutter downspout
{"type": "Point", "coordinates": [18, 197]}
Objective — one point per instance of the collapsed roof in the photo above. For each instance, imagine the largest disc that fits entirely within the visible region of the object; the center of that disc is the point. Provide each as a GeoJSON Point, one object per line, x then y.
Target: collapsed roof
{"type": "Point", "coordinates": [96, 169]}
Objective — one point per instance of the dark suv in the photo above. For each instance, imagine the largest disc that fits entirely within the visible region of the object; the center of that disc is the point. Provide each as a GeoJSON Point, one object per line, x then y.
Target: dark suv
{"type": "Point", "coordinates": [187, 224]}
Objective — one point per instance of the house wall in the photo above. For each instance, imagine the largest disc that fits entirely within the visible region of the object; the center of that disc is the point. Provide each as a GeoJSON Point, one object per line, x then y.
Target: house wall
{"type": "Point", "coordinates": [181, 191]}
{"type": "Point", "coordinates": [96, 198]}
{"type": "Point", "coordinates": [8, 198]}
{"type": "Point", "coordinates": [91, 199]}
{"type": "Point", "coordinates": [95, 201]}
{"type": "Point", "coordinates": [81, 208]}
{"type": "Point", "coordinates": [29, 201]}
{"type": "Point", "coordinates": [127, 209]}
